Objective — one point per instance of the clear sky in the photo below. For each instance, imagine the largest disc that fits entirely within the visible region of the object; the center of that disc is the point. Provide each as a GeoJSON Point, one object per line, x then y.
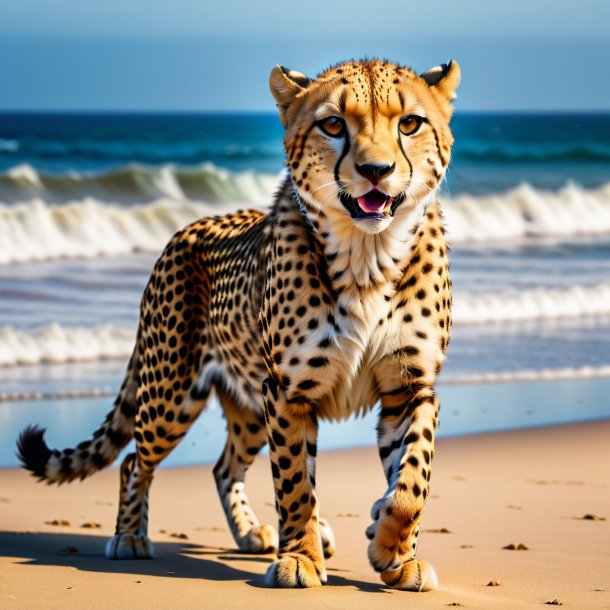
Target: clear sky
{"type": "Point", "coordinates": [217, 54]}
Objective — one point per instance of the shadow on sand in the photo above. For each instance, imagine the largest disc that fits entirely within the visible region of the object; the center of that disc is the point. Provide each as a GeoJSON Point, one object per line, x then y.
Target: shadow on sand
{"type": "Point", "coordinates": [173, 559]}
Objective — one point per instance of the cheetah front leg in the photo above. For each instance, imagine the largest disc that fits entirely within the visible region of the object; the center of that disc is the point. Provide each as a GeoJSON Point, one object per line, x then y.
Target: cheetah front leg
{"type": "Point", "coordinates": [406, 428]}
{"type": "Point", "coordinates": [292, 430]}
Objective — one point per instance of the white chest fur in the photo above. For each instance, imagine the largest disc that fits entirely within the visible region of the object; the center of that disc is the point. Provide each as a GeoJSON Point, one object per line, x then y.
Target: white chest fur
{"type": "Point", "coordinates": [366, 270]}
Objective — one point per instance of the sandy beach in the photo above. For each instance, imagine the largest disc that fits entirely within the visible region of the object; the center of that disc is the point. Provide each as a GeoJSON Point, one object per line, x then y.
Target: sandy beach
{"type": "Point", "coordinates": [529, 487]}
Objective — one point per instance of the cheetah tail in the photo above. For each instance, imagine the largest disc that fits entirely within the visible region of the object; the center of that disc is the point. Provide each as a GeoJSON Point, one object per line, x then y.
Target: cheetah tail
{"type": "Point", "coordinates": [54, 466]}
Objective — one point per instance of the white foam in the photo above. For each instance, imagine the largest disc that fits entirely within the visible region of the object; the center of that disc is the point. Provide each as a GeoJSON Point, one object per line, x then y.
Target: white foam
{"type": "Point", "coordinates": [585, 372]}
{"type": "Point", "coordinates": [528, 212]}
{"type": "Point", "coordinates": [136, 183]}
{"type": "Point", "coordinates": [56, 344]}
{"type": "Point", "coordinates": [546, 374]}
{"type": "Point", "coordinates": [548, 303]}
{"type": "Point", "coordinates": [24, 176]}
{"type": "Point", "coordinates": [57, 394]}
{"type": "Point", "coordinates": [35, 231]}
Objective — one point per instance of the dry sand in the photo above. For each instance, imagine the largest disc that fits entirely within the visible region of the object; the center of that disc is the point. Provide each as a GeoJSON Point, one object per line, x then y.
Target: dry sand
{"type": "Point", "coordinates": [529, 487]}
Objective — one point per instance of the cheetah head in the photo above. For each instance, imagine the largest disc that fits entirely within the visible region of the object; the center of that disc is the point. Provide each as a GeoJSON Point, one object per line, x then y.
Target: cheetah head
{"type": "Point", "coordinates": [367, 140]}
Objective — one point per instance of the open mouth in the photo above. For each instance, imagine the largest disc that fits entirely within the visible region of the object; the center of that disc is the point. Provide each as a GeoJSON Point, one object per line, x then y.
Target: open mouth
{"type": "Point", "coordinates": [373, 205]}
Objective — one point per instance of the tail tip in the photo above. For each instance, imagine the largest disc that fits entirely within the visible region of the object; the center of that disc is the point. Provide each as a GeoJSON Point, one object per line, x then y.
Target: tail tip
{"type": "Point", "coordinates": [32, 450]}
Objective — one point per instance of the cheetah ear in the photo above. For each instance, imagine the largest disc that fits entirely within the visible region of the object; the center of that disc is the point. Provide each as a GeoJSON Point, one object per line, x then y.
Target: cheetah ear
{"type": "Point", "coordinates": [444, 78]}
{"type": "Point", "coordinates": [285, 85]}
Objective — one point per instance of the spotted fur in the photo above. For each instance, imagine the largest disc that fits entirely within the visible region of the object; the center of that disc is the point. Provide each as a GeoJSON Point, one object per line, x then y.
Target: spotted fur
{"type": "Point", "coordinates": [314, 310]}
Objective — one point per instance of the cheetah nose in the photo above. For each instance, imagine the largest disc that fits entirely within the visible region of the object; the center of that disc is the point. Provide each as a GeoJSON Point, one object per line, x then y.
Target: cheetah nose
{"type": "Point", "coordinates": [374, 172]}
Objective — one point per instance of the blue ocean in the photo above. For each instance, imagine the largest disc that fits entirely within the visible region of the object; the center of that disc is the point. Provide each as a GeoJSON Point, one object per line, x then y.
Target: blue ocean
{"type": "Point", "coordinates": [87, 202]}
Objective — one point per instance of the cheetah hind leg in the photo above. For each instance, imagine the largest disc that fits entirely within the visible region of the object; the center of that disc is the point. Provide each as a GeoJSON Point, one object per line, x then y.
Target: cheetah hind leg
{"type": "Point", "coordinates": [246, 436]}
{"type": "Point", "coordinates": [131, 538]}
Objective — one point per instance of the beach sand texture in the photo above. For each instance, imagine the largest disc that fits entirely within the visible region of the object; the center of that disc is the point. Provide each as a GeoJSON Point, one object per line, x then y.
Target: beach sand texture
{"type": "Point", "coordinates": [531, 487]}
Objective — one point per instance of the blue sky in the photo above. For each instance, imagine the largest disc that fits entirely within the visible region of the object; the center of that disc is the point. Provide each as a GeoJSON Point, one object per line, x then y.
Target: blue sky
{"type": "Point", "coordinates": [201, 55]}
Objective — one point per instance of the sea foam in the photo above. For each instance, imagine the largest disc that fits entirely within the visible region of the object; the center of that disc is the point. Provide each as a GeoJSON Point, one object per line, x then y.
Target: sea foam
{"type": "Point", "coordinates": [138, 209]}
{"type": "Point", "coordinates": [58, 343]}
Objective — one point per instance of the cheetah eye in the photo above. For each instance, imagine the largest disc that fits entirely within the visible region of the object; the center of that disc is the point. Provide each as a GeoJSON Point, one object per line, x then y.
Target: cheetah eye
{"type": "Point", "coordinates": [410, 124]}
{"type": "Point", "coordinates": [333, 126]}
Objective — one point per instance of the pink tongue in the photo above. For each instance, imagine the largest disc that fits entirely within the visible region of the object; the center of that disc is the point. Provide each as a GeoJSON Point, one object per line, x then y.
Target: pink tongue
{"type": "Point", "coordinates": [373, 202]}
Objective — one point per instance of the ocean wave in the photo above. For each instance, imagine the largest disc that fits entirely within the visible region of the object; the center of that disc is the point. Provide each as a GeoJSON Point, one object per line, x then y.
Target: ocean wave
{"type": "Point", "coordinates": [545, 374]}
{"type": "Point", "coordinates": [528, 212]}
{"type": "Point", "coordinates": [112, 152]}
{"type": "Point", "coordinates": [137, 184]}
{"type": "Point", "coordinates": [34, 229]}
{"type": "Point", "coordinates": [529, 154]}
{"type": "Point", "coordinates": [9, 146]}
{"type": "Point", "coordinates": [57, 343]}
{"type": "Point", "coordinates": [536, 304]}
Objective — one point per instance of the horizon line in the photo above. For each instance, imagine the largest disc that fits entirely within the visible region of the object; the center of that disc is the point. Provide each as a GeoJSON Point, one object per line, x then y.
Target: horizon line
{"type": "Point", "coordinates": [169, 111]}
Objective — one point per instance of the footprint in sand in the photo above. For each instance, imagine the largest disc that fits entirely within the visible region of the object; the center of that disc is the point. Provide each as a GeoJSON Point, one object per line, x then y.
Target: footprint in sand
{"type": "Point", "coordinates": [213, 528]}
{"type": "Point", "coordinates": [554, 602]}
{"type": "Point", "coordinates": [590, 517]}
{"type": "Point", "coordinates": [516, 547]}
{"type": "Point", "coordinates": [438, 530]}
{"type": "Point", "coordinates": [91, 525]}
{"type": "Point", "coordinates": [493, 583]}
{"type": "Point", "coordinates": [63, 522]}
{"type": "Point", "coordinates": [348, 515]}
{"type": "Point", "coordinates": [467, 546]}
{"type": "Point", "coordinates": [179, 535]}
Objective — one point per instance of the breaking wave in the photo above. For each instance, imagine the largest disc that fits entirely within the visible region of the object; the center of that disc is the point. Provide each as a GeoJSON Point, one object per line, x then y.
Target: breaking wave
{"type": "Point", "coordinates": [135, 183]}
{"type": "Point", "coordinates": [35, 231]}
{"type": "Point", "coordinates": [136, 208]}
{"type": "Point", "coordinates": [57, 343]}
{"type": "Point", "coordinates": [552, 152]}
{"type": "Point", "coordinates": [583, 372]}
{"type": "Point", "coordinates": [536, 304]}
{"type": "Point", "coordinates": [547, 374]}
{"type": "Point", "coordinates": [529, 212]}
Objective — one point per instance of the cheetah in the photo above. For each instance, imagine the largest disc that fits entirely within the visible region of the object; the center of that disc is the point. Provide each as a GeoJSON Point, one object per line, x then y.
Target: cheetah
{"type": "Point", "coordinates": [334, 301]}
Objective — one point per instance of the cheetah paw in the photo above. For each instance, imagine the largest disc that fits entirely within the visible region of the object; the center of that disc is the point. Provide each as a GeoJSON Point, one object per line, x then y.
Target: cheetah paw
{"type": "Point", "coordinates": [328, 538]}
{"type": "Point", "coordinates": [294, 570]}
{"type": "Point", "coordinates": [129, 546]}
{"type": "Point", "coordinates": [393, 542]}
{"type": "Point", "coordinates": [414, 575]}
{"type": "Point", "coordinates": [260, 539]}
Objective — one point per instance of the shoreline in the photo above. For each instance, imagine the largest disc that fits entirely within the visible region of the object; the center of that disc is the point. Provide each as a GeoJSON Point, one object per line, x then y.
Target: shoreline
{"type": "Point", "coordinates": [530, 487]}
{"type": "Point", "coordinates": [465, 409]}
{"type": "Point", "coordinates": [582, 373]}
